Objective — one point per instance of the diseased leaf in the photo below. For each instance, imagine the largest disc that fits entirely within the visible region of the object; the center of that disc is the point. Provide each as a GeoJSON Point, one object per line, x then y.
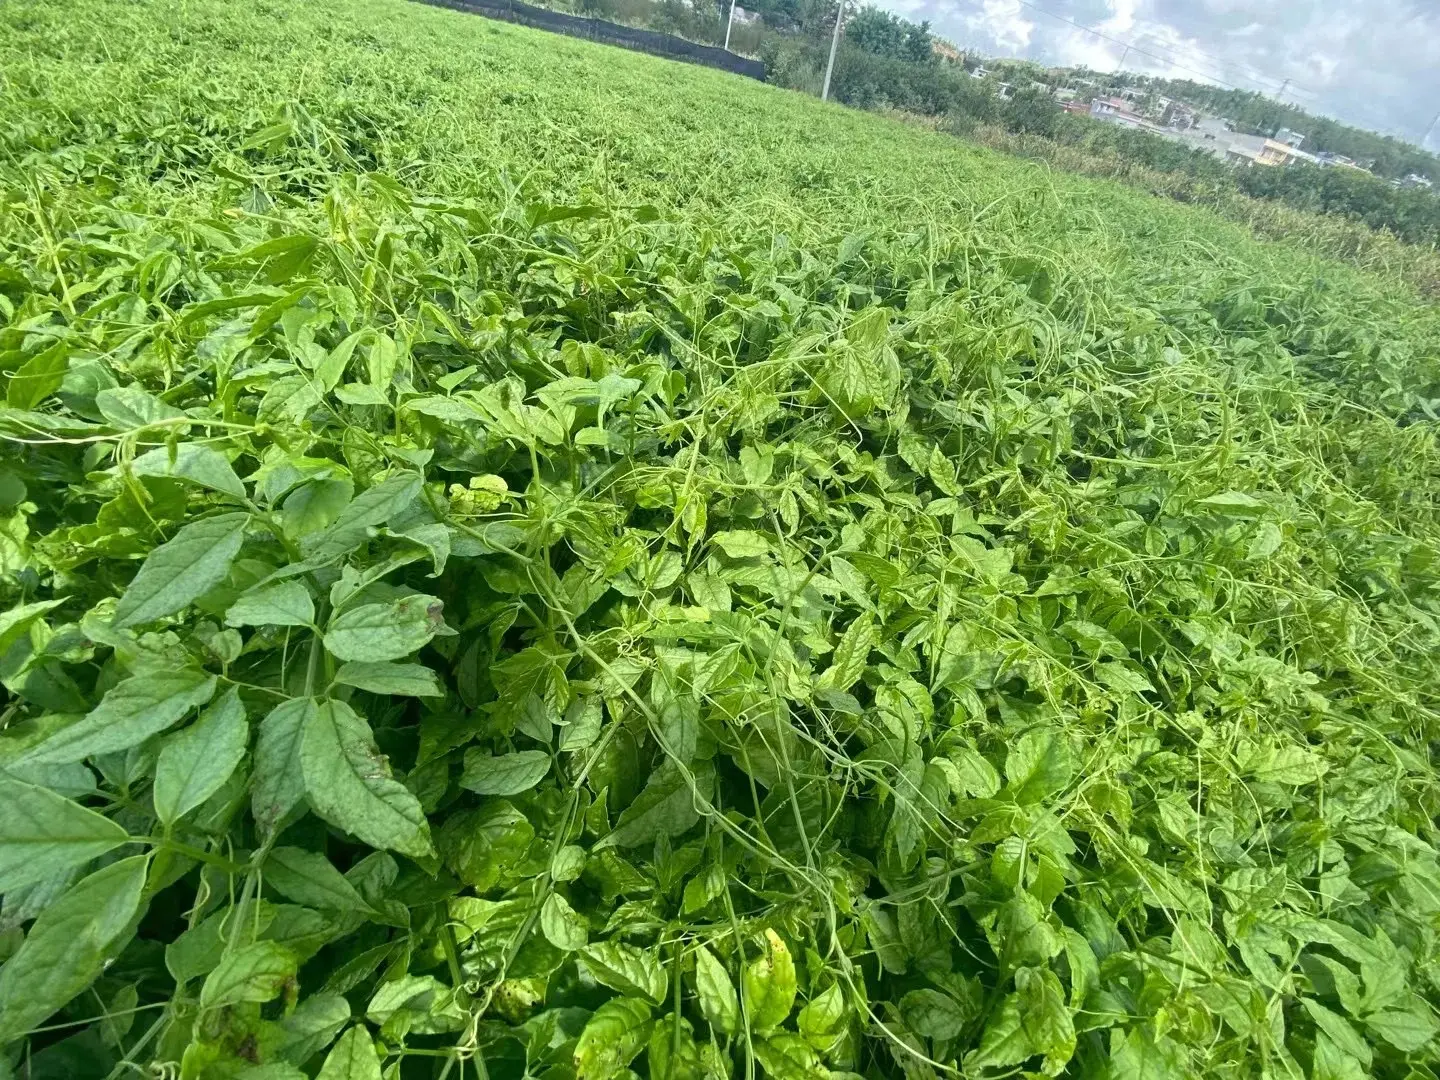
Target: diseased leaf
{"type": "Point", "coordinates": [616, 1032]}
{"type": "Point", "coordinates": [769, 985]}
{"type": "Point", "coordinates": [348, 783]}
{"type": "Point", "coordinates": [373, 633]}
{"type": "Point", "coordinates": [257, 972]}
{"type": "Point", "coordinates": [933, 1014]}
{"type": "Point", "coordinates": [562, 925]}
{"type": "Point", "coordinates": [851, 655]}
{"type": "Point", "coordinates": [741, 544]}
{"type": "Point", "coordinates": [194, 560]}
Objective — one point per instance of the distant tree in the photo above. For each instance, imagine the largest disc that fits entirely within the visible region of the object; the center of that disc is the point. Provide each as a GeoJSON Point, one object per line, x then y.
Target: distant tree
{"type": "Point", "coordinates": [1032, 111]}
{"type": "Point", "coordinates": [918, 45]}
{"type": "Point", "coordinates": [878, 32]}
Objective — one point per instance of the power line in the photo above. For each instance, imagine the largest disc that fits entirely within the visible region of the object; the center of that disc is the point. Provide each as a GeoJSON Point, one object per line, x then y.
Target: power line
{"type": "Point", "coordinates": [1250, 72]}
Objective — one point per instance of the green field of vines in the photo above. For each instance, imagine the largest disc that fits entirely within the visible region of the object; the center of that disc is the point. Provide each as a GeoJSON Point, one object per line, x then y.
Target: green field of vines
{"type": "Point", "coordinates": [524, 560]}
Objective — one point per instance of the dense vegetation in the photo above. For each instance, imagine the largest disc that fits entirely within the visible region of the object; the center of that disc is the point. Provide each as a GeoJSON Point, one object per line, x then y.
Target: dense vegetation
{"type": "Point", "coordinates": [527, 560]}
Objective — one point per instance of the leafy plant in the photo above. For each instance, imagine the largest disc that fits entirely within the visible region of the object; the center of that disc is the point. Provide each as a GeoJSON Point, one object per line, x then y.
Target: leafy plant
{"type": "Point", "coordinates": [456, 624]}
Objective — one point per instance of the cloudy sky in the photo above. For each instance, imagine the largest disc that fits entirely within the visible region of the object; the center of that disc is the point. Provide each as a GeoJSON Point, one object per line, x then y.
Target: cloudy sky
{"type": "Point", "coordinates": [1372, 63]}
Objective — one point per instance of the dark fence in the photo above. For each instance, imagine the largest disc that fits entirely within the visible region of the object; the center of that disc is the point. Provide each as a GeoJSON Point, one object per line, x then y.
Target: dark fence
{"type": "Point", "coordinates": [610, 33]}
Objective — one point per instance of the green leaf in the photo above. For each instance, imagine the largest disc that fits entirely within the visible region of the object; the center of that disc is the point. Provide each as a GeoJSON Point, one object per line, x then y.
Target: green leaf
{"type": "Point", "coordinates": [43, 834]}
{"type": "Point", "coordinates": [330, 370]}
{"type": "Point", "coordinates": [129, 408]}
{"type": "Point", "coordinates": [352, 1058]}
{"type": "Point", "coordinates": [313, 507]}
{"type": "Point", "coordinates": [769, 985]}
{"type": "Point", "coordinates": [191, 563]}
{"type": "Point", "coordinates": [677, 711]}
{"type": "Point", "coordinates": [582, 724]}
{"type": "Point", "coordinates": [348, 783]}
{"type": "Point", "coordinates": [38, 377]}
{"type": "Point", "coordinates": [823, 1019]}
{"type": "Point", "coordinates": [69, 945]}
{"type": "Point", "coordinates": [308, 878]}
{"type": "Point", "coordinates": [191, 461]}
{"type": "Point", "coordinates": [742, 544]}
{"type": "Point", "coordinates": [278, 780]}
{"type": "Point", "coordinates": [1004, 1043]}
{"type": "Point", "coordinates": [403, 680]}
{"type": "Point", "coordinates": [134, 710]}
{"type": "Point", "coordinates": [415, 1004]}
{"type": "Point", "coordinates": [718, 1001]}
{"type": "Point", "coordinates": [196, 762]}
{"type": "Point", "coordinates": [562, 925]}
{"type": "Point", "coordinates": [616, 1032]}
{"type": "Point", "coordinates": [851, 655]}
{"type": "Point", "coordinates": [1122, 678]}
{"type": "Point", "coordinates": [17, 620]}
{"type": "Point", "coordinates": [317, 1019]}
{"type": "Point", "coordinates": [369, 509]}
{"type": "Point", "coordinates": [1265, 542]}
{"type": "Point", "coordinates": [376, 632]}
{"type": "Point", "coordinates": [1233, 503]}
{"type": "Point", "coordinates": [933, 1014]}
{"type": "Point", "coordinates": [1339, 1029]}
{"type": "Point", "coordinates": [257, 973]}
{"type": "Point", "coordinates": [627, 969]}
{"type": "Point", "coordinates": [1133, 1056]}
{"type": "Point", "coordinates": [1043, 1014]}
{"type": "Point", "coordinates": [666, 807]}
{"type": "Point", "coordinates": [281, 603]}
{"type": "Point", "coordinates": [507, 774]}
{"type": "Point", "coordinates": [1038, 765]}
{"type": "Point", "coordinates": [1405, 1029]}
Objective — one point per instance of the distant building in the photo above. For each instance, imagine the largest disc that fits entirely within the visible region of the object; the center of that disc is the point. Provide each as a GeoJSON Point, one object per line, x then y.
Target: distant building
{"type": "Point", "coordinates": [1327, 160]}
{"type": "Point", "coordinates": [1005, 91]}
{"type": "Point", "coordinates": [1290, 138]}
{"type": "Point", "coordinates": [1415, 180]}
{"type": "Point", "coordinates": [1176, 114]}
{"type": "Point", "coordinates": [1268, 152]}
{"type": "Point", "coordinates": [979, 72]}
{"type": "Point", "coordinates": [1117, 111]}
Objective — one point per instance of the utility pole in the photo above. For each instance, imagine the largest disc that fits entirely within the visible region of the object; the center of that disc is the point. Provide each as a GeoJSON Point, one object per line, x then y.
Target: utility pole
{"type": "Point", "coordinates": [1280, 96]}
{"type": "Point", "coordinates": [729, 23]}
{"type": "Point", "coordinates": [834, 44]}
{"type": "Point", "coordinates": [1120, 66]}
